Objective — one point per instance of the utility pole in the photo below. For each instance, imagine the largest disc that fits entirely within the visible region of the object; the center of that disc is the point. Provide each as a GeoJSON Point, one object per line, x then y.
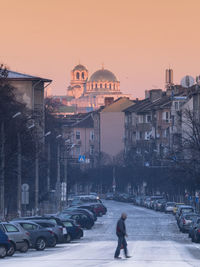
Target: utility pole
{"type": "Point", "coordinates": [58, 177]}
{"type": "Point", "coordinates": [36, 177]}
{"type": "Point", "coordinates": [48, 167]}
{"type": "Point", "coordinates": [65, 177]}
{"type": "Point", "coordinates": [19, 174]}
{"type": "Point", "coordinates": [2, 172]}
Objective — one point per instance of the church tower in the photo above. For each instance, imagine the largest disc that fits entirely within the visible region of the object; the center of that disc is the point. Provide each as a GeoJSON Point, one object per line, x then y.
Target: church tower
{"type": "Point", "coordinates": [79, 77]}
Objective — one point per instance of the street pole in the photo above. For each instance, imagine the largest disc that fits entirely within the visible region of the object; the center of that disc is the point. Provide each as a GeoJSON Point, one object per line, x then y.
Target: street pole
{"type": "Point", "coordinates": [48, 167]}
{"type": "Point", "coordinates": [19, 174]}
{"type": "Point", "coordinates": [58, 177]}
{"type": "Point", "coordinates": [2, 172]}
{"type": "Point", "coordinates": [65, 177]}
{"type": "Point", "coordinates": [36, 177]}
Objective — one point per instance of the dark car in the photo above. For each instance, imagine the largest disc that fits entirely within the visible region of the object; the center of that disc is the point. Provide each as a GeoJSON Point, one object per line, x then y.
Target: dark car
{"type": "Point", "coordinates": [186, 220]}
{"type": "Point", "coordinates": [81, 219]}
{"type": "Point", "coordinates": [159, 205]}
{"type": "Point", "coordinates": [73, 229]}
{"type": "Point", "coordinates": [4, 244]}
{"type": "Point", "coordinates": [193, 226]}
{"type": "Point", "coordinates": [56, 220]}
{"type": "Point", "coordinates": [97, 208]}
{"type": "Point", "coordinates": [19, 238]}
{"type": "Point", "coordinates": [40, 237]}
{"type": "Point", "coordinates": [83, 211]}
{"type": "Point", "coordinates": [196, 233]}
{"type": "Point", "coordinates": [53, 227]}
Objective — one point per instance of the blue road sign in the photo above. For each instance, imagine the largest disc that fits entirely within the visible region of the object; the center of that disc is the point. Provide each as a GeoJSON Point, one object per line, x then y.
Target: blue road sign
{"type": "Point", "coordinates": [81, 158]}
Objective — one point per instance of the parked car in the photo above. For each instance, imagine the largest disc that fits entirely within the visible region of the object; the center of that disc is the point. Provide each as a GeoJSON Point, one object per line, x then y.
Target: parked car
{"type": "Point", "coordinates": [4, 244]}
{"type": "Point", "coordinates": [109, 196]}
{"type": "Point", "coordinates": [196, 234]}
{"type": "Point", "coordinates": [40, 237]}
{"type": "Point", "coordinates": [19, 238]}
{"type": "Point", "coordinates": [176, 207]}
{"type": "Point", "coordinates": [185, 221]}
{"type": "Point", "coordinates": [183, 209]}
{"type": "Point", "coordinates": [195, 222]}
{"type": "Point", "coordinates": [73, 229]}
{"type": "Point", "coordinates": [53, 227]}
{"type": "Point", "coordinates": [83, 211]}
{"type": "Point", "coordinates": [169, 206]}
{"type": "Point", "coordinates": [159, 204]}
{"type": "Point", "coordinates": [81, 219]}
{"type": "Point", "coordinates": [55, 220]}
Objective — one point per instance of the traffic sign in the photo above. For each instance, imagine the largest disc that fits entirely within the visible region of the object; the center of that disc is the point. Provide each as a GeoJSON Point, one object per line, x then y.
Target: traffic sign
{"type": "Point", "coordinates": [81, 158]}
{"type": "Point", "coordinates": [25, 187]}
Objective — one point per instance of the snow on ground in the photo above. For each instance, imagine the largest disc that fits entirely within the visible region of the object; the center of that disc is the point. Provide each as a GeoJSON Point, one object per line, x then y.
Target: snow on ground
{"type": "Point", "coordinates": [154, 241]}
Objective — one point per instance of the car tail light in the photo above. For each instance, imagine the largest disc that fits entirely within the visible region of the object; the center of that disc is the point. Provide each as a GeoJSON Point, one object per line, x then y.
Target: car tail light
{"type": "Point", "coordinates": [184, 222]}
{"type": "Point", "coordinates": [61, 228]}
{"type": "Point", "coordinates": [50, 232]}
{"type": "Point", "coordinates": [27, 233]}
{"type": "Point", "coordinates": [199, 230]}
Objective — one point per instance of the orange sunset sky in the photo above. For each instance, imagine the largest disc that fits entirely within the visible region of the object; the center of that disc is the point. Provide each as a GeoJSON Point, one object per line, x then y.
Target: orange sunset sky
{"type": "Point", "coordinates": [136, 39]}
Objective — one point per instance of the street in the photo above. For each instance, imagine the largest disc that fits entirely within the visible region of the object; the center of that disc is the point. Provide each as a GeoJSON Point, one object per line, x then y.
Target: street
{"type": "Point", "coordinates": [153, 240]}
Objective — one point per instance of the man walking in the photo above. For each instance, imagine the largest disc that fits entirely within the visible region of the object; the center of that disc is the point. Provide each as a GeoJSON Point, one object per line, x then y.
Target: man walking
{"type": "Point", "coordinates": [121, 234]}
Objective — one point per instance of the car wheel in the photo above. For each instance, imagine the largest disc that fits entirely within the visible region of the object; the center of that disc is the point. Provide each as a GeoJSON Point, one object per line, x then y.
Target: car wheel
{"type": "Point", "coordinates": [53, 242]}
{"type": "Point", "coordinates": [2, 252]}
{"type": "Point", "coordinates": [25, 247]}
{"type": "Point", "coordinates": [11, 250]}
{"type": "Point", "coordinates": [40, 244]}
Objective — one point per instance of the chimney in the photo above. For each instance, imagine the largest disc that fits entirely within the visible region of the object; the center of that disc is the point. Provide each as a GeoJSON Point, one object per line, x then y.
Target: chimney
{"type": "Point", "coordinates": [155, 94]}
{"type": "Point", "coordinates": [108, 101]}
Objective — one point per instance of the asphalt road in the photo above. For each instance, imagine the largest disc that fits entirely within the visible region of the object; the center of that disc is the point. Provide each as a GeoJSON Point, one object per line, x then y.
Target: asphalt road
{"type": "Point", "coordinates": [153, 240]}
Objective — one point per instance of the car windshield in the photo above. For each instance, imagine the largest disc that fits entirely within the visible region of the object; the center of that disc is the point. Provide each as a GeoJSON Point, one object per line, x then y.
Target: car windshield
{"type": "Point", "coordinates": [186, 210]}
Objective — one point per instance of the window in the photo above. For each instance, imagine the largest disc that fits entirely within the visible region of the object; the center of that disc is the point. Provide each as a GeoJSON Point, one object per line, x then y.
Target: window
{"type": "Point", "coordinates": [148, 118]}
{"type": "Point", "coordinates": [91, 150]}
{"type": "Point", "coordinates": [92, 86]}
{"type": "Point", "coordinates": [77, 75]}
{"type": "Point", "coordinates": [114, 86]}
{"type": "Point", "coordinates": [140, 135]}
{"type": "Point", "coordinates": [176, 104]}
{"type": "Point", "coordinates": [110, 85]}
{"type": "Point", "coordinates": [105, 85]}
{"type": "Point", "coordinates": [68, 224]}
{"type": "Point", "coordinates": [29, 226]}
{"type": "Point", "coordinates": [83, 75]}
{"type": "Point", "coordinates": [96, 85]}
{"type": "Point", "coordinates": [10, 228]}
{"type": "Point", "coordinates": [100, 85]}
{"type": "Point", "coordinates": [78, 135]}
{"type": "Point", "coordinates": [92, 135]}
{"type": "Point", "coordinates": [78, 150]}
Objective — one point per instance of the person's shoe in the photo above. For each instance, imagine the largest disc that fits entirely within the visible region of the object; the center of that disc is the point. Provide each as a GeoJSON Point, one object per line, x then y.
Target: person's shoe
{"type": "Point", "coordinates": [128, 257]}
{"type": "Point", "coordinates": [117, 258]}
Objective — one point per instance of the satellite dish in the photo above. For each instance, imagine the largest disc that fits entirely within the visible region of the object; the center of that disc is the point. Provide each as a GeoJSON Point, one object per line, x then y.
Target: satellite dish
{"type": "Point", "coordinates": [187, 81]}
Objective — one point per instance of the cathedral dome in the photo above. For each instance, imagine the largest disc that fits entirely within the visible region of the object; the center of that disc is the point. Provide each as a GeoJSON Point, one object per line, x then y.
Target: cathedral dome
{"type": "Point", "coordinates": [79, 67]}
{"type": "Point", "coordinates": [103, 75]}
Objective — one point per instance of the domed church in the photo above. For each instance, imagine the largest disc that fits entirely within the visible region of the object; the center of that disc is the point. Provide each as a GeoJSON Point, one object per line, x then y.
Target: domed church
{"type": "Point", "coordinates": [90, 93]}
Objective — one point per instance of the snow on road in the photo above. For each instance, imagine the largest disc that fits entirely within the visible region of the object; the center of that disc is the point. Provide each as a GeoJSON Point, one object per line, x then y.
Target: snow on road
{"type": "Point", "coordinates": [154, 240]}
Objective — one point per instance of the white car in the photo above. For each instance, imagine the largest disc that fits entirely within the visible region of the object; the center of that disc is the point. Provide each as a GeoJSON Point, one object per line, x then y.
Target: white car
{"type": "Point", "coordinates": [169, 206]}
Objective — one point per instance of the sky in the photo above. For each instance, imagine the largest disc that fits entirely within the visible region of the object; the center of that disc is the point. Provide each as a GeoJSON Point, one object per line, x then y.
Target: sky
{"type": "Point", "coordinates": [135, 39]}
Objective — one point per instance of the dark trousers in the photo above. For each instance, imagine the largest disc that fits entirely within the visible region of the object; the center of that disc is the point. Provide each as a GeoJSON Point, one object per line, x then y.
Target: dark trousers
{"type": "Point", "coordinates": [121, 242]}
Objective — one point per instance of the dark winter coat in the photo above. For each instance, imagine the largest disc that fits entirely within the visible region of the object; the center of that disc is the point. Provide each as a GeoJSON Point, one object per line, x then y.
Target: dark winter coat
{"type": "Point", "coordinates": [121, 228]}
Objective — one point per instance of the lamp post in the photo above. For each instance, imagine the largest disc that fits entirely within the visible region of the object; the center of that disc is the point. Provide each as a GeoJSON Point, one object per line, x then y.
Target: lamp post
{"type": "Point", "coordinates": [2, 172]}
{"type": "Point", "coordinates": [37, 172]}
{"type": "Point", "coordinates": [58, 185]}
